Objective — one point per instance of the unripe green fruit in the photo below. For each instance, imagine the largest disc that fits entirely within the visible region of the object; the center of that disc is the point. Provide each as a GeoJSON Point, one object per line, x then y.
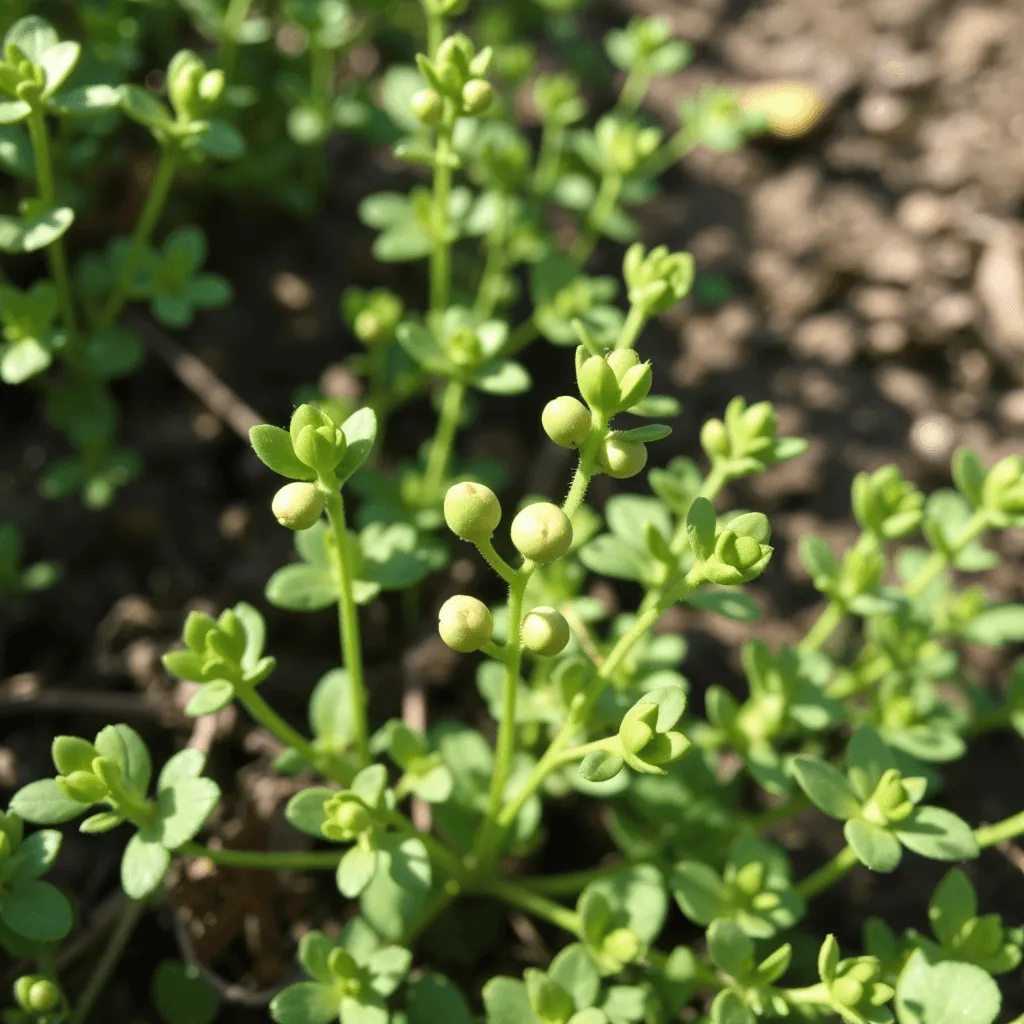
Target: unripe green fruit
{"type": "Point", "coordinates": [477, 96]}
{"type": "Point", "coordinates": [427, 106]}
{"type": "Point", "coordinates": [298, 506]}
{"type": "Point", "coordinates": [472, 511]}
{"type": "Point", "coordinates": [566, 420]}
{"type": "Point", "coordinates": [542, 532]}
{"type": "Point", "coordinates": [465, 624]}
{"type": "Point", "coordinates": [622, 459]}
{"type": "Point", "coordinates": [43, 996]}
{"type": "Point", "coordinates": [545, 632]}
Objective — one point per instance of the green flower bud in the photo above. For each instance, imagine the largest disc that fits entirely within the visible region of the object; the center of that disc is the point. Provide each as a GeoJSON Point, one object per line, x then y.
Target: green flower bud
{"type": "Point", "coordinates": [598, 386]}
{"type": "Point", "coordinates": [184, 73]}
{"type": "Point", "coordinates": [621, 945]}
{"type": "Point", "coordinates": [472, 511]}
{"type": "Point", "coordinates": [566, 420]}
{"type": "Point", "coordinates": [542, 532]}
{"type": "Point", "coordinates": [464, 347]}
{"type": "Point", "coordinates": [659, 279]}
{"type": "Point", "coordinates": [465, 624]}
{"type": "Point", "coordinates": [477, 96]}
{"type": "Point", "coordinates": [320, 448]}
{"type": "Point", "coordinates": [847, 991]}
{"type": "Point", "coordinates": [36, 994]}
{"type": "Point", "coordinates": [621, 361]}
{"type": "Point", "coordinates": [83, 786]}
{"type": "Point", "coordinates": [622, 459]}
{"type": "Point", "coordinates": [298, 506]}
{"type": "Point", "coordinates": [427, 106]}
{"type": "Point", "coordinates": [714, 439]}
{"type": "Point", "coordinates": [635, 385]}
{"type": "Point", "coordinates": [545, 632]}
{"type": "Point", "coordinates": [1003, 490]}
{"type": "Point", "coordinates": [890, 802]}
{"type": "Point", "coordinates": [345, 818]}
{"type": "Point", "coordinates": [741, 551]}
{"type": "Point", "coordinates": [367, 326]}
{"type": "Point", "coordinates": [211, 86]}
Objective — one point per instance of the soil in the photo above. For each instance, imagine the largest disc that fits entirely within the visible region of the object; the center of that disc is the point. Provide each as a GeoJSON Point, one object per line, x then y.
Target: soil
{"type": "Point", "coordinates": [867, 278]}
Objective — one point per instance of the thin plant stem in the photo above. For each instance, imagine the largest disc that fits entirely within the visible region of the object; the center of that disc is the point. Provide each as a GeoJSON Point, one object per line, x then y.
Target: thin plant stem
{"type": "Point", "coordinates": [634, 90]}
{"type": "Point", "coordinates": [824, 626]}
{"type": "Point", "coordinates": [440, 253]}
{"type": "Point", "coordinates": [108, 961]}
{"type": "Point", "coordinates": [607, 197]}
{"type": "Point", "coordinates": [1001, 831]}
{"type": "Point", "coordinates": [534, 903]}
{"type": "Point", "coordinates": [348, 621]}
{"type": "Point", "coordinates": [552, 142]}
{"type": "Point", "coordinates": [488, 291]}
{"type": "Point", "coordinates": [156, 198]}
{"type": "Point", "coordinates": [827, 875]}
{"type": "Point", "coordinates": [635, 323]}
{"type": "Point", "coordinates": [48, 194]}
{"type": "Point", "coordinates": [266, 860]}
{"type": "Point", "coordinates": [234, 16]}
{"type": "Point", "coordinates": [495, 561]}
{"type": "Point", "coordinates": [444, 439]}
{"type": "Point", "coordinates": [569, 883]}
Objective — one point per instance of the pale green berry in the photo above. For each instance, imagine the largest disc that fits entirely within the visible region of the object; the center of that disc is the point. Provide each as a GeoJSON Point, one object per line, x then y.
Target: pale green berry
{"type": "Point", "coordinates": [427, 106]}
{"type": "Point", "coordinates": [477, 96]}
{"type": "Point", "coordinates": [622, 459]}
{"type": "Point", "coordinates": [298, 506]}
{"type": "Point", "coordinates": [545, 632]}
{"type": "Point", "coordinates": [465, 624]}
{"type": "Point", "coordinates": [472, 511]}
{"type": "Point", "coordinates": [542, 532]}
{"type": "Point", "coordinates": [566, 420]}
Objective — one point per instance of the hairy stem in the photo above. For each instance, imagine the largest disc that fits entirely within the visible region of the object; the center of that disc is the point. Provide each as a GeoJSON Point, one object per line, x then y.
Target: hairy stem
{"type": "Point", "coordinates": [635, 323]}
{"type": "Point", "coordinates": [348, 621]}
{"type": "Point", "coordinates": [444, 439]}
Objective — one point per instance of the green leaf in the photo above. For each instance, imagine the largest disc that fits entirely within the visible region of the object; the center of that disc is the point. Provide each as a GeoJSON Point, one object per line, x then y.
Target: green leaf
{"type": "Point", "coordinates": [402, 245]}
{"type": "Point", "coordinates": [330, 711]}
{"type": "Point", "coordinates": [945, 993]}
{"type": "Point", "coordinates": [33, 36]}
{"type": "Point", "coordinates": [701, 524]}
{"type": "Point", "coordinates": [302, 588]}
{"type": "Point", "coordinates": [36, 854]}
{"type": "Point", "coordinates": [506, 1002]}
{"type": "Point", "coordinates": [44, 803]}
{"type": "Point", "coordinates": [39, 227]}
{"type": "Point", "coordinates": [221, 141]}
{"type": "Point", "coordinates": [273, 447]}
{"type": "Point", "coordinates": [23, 360]}
{"type": "Point", "coordinates": [826, 786]}
{"type": "Point", "coordinates": [997, 626]}
{"type": "Point", "coordinates": [503, 378]}
{"type": "Point", "coordinates": [360, 431]}
{"type": "Point", "coordinates": [876, 847]}
{"type": "Point", "coordinates": [657, 407]}
{"type": "Point", "coordinates": [952, 905]}
{"type": "Point", "coordinates": [399, 887]}
{"type": "Point", "coordinates": [645, 434]}
{"type": "Point", "coordinates": [182, 995]}
{"type": "Point", "coordinates": [608, 555]}
{"type": "Point", "coordinates": [305, 810]}
{"type": "Point", "coordinates": [399, 83]}
{"type": "Point", "coordinates": [968, 474]}
{"type": "Point", "coordinates": [726, 601]}
{"type": "Point", "coordinates": [638, 893]}
{"type": "Point", "coordinates": [142, 106]}
{"type": "Point", "coordinates": [210, 698]}
{"type": "Point", "coordinates": [601, 765]}
{"type": "Point", "coordinates": [13, 111]}
{"type": "Point", "coordinates": [308, 1002]}
{"type": "Point", "coordinates": [355, 870]}
{"type": "Point", "coordinates": [938, 834]}
{"type": "Point", "coordinates": [113, 352]}
{"type": "Point", "coordinates": [36, 910]}
{"type": "Point", "coordinates": [574, 969]}
{"type": "Point", "coordinates": [729, 1008]}
{"type": "Point", "coordinates": [699, 891]}
{"type": "Point", "coordinates": [15, 150]}
{"type": "Point", "coordinates": [433, 999]}
{"type": "Point", "coordinates": [182, 810]}
{"type": "Point", "coordinates": [384, 209]}
{"type": "Point", "coordinates": [388, 966]}
{"type": "Point", "coordinates": [86, 101]}
{"type": "Point", "coordinates": [818, 559]}
{"type": "Point", "coordinates": [421, 345]}
{"type": "Point", "coordinates": [57, 63]}
{"type": "Point", "coordinates": [868, 758]}
{"type": "Point", "coordinates": [143, 866]}
{"type": "Point", "coordinates": [730, 948]}
{"type": "Point", "coordinates": [124, 745]}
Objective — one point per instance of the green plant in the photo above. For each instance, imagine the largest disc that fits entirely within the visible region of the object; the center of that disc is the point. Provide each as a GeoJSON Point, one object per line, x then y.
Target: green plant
{"type": "Point", "coordinates": [590, 707]}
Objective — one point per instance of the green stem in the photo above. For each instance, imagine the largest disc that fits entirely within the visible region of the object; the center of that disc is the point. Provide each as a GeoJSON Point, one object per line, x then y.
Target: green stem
{"type": "Point", "coordinates": [1001, 831]}
{"type": "Point", "coordinates": [488, 291]}
{"type": "Point", "coordinates": [234, 16]}
{"type": "Point", "coordinates": [533, 903]}
{"type": "Point", "coordinates": [348, 621]}
{"type": "Point", "coordinates": [569, 883]}
{"type": "Point", "coordinates": [634, 90]}
{"type": "Point", "coordinates": [937, 560]}
{"type": "Point", "coordinates": [444, 439]}
{"type": "Point", "coordinates": [266, 860]}
{"type": "Point", "coordinates": [108, 961]}
{"type": "Point", "coordinates": [495, 561]}
{"type": "Point", "coordinates": [827, 875]}
{"type": "Point", "coordinates": [48, 194]}
{"type": "Point", "coordinates": [585, 467]}
{"type": "Point", "coordinates": [438, 853]}
{"type": "Point", "coordinates": [607, 197]}
{"type": "Point", "coordinates": [635, 323]}
{"type": "Point", "coordinates": [552, 142]}
{"type": "Point", "coordinates": [522, 336]}
{"type": "Point", "coordinates": [679, 146]}
{"type": "Point", "coordinates": [780, 812]}
{"type": "Point", "coordinates": [823, 627]}
{"type": "Point", "coordinates": [440, 253]}
{"type": "Point", "coordinates": [435, 27]}
{"type": "Point", "coordinates": [148, 216]}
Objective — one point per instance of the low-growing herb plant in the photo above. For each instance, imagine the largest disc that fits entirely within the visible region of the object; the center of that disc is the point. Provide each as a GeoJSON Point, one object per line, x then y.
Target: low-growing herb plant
{"type": "Point", "coordinates": [590, 708]}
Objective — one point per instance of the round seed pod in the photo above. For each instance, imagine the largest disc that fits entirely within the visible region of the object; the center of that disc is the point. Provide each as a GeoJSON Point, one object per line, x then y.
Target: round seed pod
{"type": "Point", "coordinates": [477, 96]}
{"type": "Point", "coordinates": [566, 420]}
{"type": "Point", "coordinates": [298, 506]}
{"type": "Point", "coordinates": [427, 106]}
{"type": "Point", "coordinates": [472, 511]}
{"type": "Point", "coordinates": [545, 632]}
{"type": "Point", "coordinates": [622, 459]}
{"type": "Point", "coordinates": [542, 532]}
{"type": "Point", "coordinates": [465, 624]}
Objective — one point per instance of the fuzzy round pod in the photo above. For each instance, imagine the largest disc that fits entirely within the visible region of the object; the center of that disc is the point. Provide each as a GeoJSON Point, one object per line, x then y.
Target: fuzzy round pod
{"type": "Point", "coordinates": [427, 106]}
{"type": "Point", "coordinates": [477, 96]}
{"type": "Point", "coordinates": [465, 624]}
{"type": "Point", "coordinates": [566, 420]}
{"type": "Point", "coordinates": [545, 632]}
{"type": "Point", "coordinates": [36, 994]}
{"type": "Point", "coordinates": [542, 532]}
{"type": "Point", "coordinates": [622, 459]}
{"type": "Point", "coordinates": [298, 506]}
{"type": "Point", "coordinates": [472, 511]}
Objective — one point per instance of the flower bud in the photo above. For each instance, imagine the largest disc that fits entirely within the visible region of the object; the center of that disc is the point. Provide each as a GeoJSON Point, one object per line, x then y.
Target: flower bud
{"type": "Point", "coordinates": [472, 511]}
{"type": "Point", "coordinates": [298, 506]}
{"type": "Point", "coordinates": [622, 459]}
{"type": "Point", "coordinates": [545, 632]}
{"type": "Point", "coordinates": [36, 994]}
{"type": "Point", "coordinates": [465, 624]}
{"type": "Point", "coordinates": [345, 817]}
{"type": "Point", "coordinates": [621, 361]}
{"type": "Point", "coordinates": [427, 106]}
{"type": "Point", "coordinates": [477, 96]}
{"type": "Point", "coordinates": [184, 73]}
{"type": "Point", "coordinates": [598, 386]}
{"type": "Point", "coordinates": [715, 440]}
{"type": "Point", "coordinates": [622, 945]}
{"type": "Point", "coordinates": [566, 420]}
{"type": "Point", "coordinates": [82, 786]}
{"type": "Point", "coordinates": [635, 385]}
{"type": "Point", "coordinates": [211, 86]}
{"type": "Point", "coordinates": [320, 448]}
{"type": "Point", "coordinates": [367, 326]}
{"type": "Point", "coordinates": [542, 532]}
{"type": "Point", "coordinates": [464, 347]}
